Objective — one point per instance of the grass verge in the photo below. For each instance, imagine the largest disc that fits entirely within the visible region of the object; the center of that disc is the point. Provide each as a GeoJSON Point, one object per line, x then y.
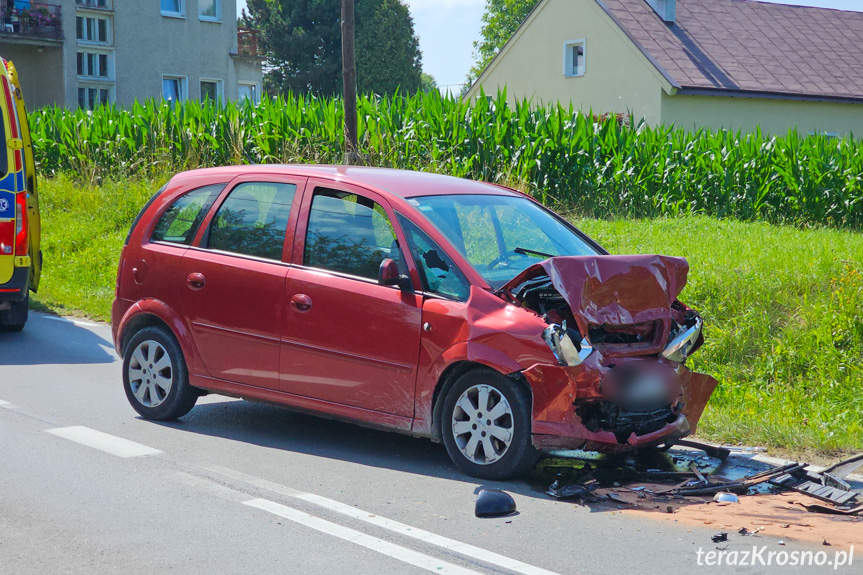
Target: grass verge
{"type": "Point", "coordinates": [783, 307]}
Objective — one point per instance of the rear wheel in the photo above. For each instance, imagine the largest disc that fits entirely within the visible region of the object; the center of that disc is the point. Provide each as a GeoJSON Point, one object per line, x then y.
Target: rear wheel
{"type": "Point", "coordinates": [14, 318]}
{"type": "Point", "coordinates": [485, 424]}
{"type": "Point", "coordinates": [155, 377]}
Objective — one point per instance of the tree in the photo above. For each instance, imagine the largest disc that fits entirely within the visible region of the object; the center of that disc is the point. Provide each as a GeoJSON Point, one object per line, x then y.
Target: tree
{"type": "Point", "coordinates": [500, 21]}
{"type": "Point", "coordinates": [428, 83]}
{"type": "Point", "coordinates": [302, 42]}
{"type": "Point", "coordinates": [388, 51]}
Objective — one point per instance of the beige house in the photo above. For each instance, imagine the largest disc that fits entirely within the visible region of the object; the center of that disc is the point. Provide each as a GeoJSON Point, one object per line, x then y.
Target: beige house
{"type": "Point", "coordinates": [736, 64]}
{"type": "Point", "coordinates": [82, 53]}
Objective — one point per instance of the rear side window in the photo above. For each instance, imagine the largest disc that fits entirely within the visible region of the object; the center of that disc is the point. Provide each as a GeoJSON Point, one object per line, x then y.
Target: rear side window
{"type": "Point", "coordinates": [348, 233]}
{"type": "Point", "coordinates": [253, 219]}
{"type": "Point", "coordinates": [180, 222]}
{"type": "Point", "coordinates": [141, 213]}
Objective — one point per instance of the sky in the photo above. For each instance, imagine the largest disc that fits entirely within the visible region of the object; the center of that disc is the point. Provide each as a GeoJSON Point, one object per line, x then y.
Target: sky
{"type": "Point", "coordinates": [447, 30]}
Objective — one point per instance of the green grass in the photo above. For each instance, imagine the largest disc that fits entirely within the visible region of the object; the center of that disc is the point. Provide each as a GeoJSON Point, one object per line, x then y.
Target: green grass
{"type": "Point", "coordinates": [783, 306]}
{"type": "Point", "coordinates": [83, 228]}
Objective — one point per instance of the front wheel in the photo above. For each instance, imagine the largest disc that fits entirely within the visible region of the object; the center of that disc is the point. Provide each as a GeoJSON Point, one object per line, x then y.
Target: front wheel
{"type": "Point", "coordinates": [485, 424]}
{"type": "Point", "coordinates": [155, 377]}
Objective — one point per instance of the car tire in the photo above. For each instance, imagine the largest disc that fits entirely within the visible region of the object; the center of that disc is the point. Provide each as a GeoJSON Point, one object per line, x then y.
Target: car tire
{"type": "Point", "coordinates": [500, 429]}
{"type": "Point", "coordinates": [155, 376]}
{"type": "Point", "coordinates": [14, 318]}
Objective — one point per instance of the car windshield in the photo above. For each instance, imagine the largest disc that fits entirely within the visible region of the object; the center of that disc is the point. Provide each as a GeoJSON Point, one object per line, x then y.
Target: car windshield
{"type": "Point", "coordinates": [501, 236]}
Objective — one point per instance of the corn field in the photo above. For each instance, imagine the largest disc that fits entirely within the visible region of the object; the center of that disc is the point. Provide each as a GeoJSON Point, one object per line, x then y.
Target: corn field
{"type": "Point", "coordinates": [594, 167]}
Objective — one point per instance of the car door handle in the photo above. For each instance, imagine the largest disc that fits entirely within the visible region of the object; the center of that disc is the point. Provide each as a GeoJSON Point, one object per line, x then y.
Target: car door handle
{"type": "Point", "coordinates": [196, 281]}
{"type": "Point", "coordinates": [301, 302]}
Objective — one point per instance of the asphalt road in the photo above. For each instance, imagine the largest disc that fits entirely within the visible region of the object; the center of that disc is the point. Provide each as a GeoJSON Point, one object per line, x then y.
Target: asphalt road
{"type": "Point", "coordinates": [239, 487]}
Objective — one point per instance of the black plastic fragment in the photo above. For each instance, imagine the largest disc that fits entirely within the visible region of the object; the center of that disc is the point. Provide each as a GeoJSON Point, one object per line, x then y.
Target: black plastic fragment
{"type": "Point", "coordinates": [575, 490]}
{"type": "Point", "coordinates": [711, 450]}
{"type": "Point", "coordinates": [494, 503]}
{"type": "Point", "coordinates": [720, 537]}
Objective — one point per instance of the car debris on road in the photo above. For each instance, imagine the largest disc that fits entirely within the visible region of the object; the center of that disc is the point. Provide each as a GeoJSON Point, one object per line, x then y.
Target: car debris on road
{"type": "Point", "coordinates": [494, 503]}
{"type": "Point", "coordinates": [698, 479]}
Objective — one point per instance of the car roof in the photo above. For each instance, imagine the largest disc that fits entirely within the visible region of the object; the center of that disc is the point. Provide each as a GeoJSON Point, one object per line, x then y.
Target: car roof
{"type": "Point", "coordinates": [399, 183]}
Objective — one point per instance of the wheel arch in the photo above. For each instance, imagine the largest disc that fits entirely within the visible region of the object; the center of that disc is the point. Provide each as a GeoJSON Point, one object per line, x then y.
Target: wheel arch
{"type": "Point", "coordinates": [452, 373]}
{"type": "Point", "coordinates": [151, 312]}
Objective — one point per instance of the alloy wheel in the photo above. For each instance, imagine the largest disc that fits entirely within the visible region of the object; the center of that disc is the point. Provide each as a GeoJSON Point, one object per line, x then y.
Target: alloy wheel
{"type": "Point", "coordinates": [151, 373]}
{"type": "Point", "coordinates": [483, 424]}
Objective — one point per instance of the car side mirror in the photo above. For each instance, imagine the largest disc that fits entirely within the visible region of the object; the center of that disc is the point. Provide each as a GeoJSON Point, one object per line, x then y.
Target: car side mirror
{"type": "Point", "coordinates": [388, 275]}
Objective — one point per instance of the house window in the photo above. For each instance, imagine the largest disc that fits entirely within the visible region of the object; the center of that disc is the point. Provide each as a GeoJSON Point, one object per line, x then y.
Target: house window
{"type": "Point", "coordinates": [94, 65]}
{"type": "Point", "coordinates": [91, 97]}
{"type": "Point", "coordinates": [89, 29]}
{"type": "Point", "coordinates": [93, 3]}
{"type": "Point", "coordinates": [210, 9]}
{"type": "Point", "coordinates": [173, 8]}
{"type": "Point", "coordinates": [174, 88]}
{"type": "Point", "coordinates": [573, 58]}
{"type": "Point", "coordinates": [248, 91]}
{"type": "Point", "coordinates": [211, 90]}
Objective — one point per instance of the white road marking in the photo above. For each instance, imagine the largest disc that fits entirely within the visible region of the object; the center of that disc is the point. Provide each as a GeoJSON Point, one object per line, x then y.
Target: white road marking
{"type": "Point", "coordinates": [6, 404]}
{"type": "Point", "coordinates": [403, 554]}
{"type": "Point", "coordinates": [103, 442]}
{"type": "Point", "coordinates": [256, 481]}
{"type": "Point", "coordinates": [395, 526]}
{"type": "Point", "coordinates": [74, 321]}
{"type": "Point", "coordinates": [426, 536]}
{"type": "Point", "coordinates": [211, 487]}
{"type": "Point", "coordinates": [215, 398]}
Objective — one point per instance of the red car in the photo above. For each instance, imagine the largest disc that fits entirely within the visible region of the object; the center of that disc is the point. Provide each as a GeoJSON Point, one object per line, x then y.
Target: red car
{"type": "Point", "coordinates": [441, 307]}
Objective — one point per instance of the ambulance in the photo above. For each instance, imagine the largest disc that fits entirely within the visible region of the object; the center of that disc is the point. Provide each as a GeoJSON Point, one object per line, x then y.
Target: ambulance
{"type": "Point", "coordinates": [20, 254]}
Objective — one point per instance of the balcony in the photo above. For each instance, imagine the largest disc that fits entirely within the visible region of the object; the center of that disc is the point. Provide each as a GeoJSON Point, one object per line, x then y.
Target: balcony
{"type": "Point", "coordinates": [247, 43]}
{"type": "Point", "coordinates": [31, 25]}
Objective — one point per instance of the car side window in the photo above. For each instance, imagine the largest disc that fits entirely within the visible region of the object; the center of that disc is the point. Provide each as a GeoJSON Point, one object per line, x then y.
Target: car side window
{"type": "Point", "coordinates": [348, 233]}
{"type": "Point", "coordinates": [253, 219]}
{"type": "Point", "coordinates": [179, 223]}
{"type": "Point", "coordinates": [438, 272]}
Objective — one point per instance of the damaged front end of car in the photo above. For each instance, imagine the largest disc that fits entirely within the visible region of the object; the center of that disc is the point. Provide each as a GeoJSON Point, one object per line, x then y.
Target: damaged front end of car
{"type": "Point", "coordinates": [620, 339]}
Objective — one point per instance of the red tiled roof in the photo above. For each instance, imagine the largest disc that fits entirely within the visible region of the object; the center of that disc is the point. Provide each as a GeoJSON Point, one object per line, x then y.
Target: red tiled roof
{"type": "Point", "coordinates": [749, 46]}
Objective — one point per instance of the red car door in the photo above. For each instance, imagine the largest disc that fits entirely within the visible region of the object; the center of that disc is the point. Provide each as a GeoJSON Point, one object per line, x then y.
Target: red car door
{"type": "Point", "coordinates": [347, 339]}
{"type": "Point", "coordinates": [234, 279]}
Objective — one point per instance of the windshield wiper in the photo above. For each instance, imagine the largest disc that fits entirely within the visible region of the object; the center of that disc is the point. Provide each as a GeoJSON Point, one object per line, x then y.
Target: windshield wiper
{"type": "Point", "coordinates": [527, 252]}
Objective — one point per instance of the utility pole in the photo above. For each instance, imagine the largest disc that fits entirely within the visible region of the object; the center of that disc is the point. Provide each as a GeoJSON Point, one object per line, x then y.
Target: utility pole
{"type": "Point", "coordinates": [349, 79]}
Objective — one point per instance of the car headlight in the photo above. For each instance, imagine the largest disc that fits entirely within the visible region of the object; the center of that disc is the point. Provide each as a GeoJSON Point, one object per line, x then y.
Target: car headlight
{"type": "Point", "coordinates": [564, 349]}
{"type": "Point", "coordinates": [681, 344]}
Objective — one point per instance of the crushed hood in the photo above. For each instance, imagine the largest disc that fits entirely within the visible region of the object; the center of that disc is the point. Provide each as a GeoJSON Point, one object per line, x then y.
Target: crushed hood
{"type": "Point", "coordinates": [615, 290]}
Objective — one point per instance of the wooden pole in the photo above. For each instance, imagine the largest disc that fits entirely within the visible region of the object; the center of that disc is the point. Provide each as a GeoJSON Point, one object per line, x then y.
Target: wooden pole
{"type": "Point", "coordinates": [349, 79]}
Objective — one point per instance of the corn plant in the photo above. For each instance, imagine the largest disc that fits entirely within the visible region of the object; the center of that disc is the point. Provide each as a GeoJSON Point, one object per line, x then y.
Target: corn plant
{"type": "Point", "coordinates": [591, 165]}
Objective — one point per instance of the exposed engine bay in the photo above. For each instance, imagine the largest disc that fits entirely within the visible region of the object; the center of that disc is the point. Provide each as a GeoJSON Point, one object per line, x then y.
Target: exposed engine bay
{"type": "Point", "coordinates": [617, 320]}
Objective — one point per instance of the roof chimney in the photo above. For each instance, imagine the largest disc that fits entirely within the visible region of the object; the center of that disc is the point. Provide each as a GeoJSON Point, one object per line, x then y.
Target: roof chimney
{"type": "Point", "coordinates": [667, 9]}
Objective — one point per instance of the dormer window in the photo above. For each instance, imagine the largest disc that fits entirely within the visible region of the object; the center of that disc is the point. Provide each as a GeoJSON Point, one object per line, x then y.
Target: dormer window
{"type": "Point", "coordinates": [573, 58]}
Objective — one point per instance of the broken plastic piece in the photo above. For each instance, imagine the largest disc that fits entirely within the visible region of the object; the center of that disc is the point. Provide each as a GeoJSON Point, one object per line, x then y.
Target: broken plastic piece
{"type": "Point", "coordinates": [819, 508]}
{"type": "Point", "coordinates": [726, 498]}
{"type": "Point", "coordinates": [570, 491]}
{"type": "Point", "coordinates": [711, 450]}
{"type": "Point", "coordinates": [845, 467]}
{"type": "Point", "coordinates": [720, 537]}
{"type": "Point", "coordinates": [618, 499]}
{"type": "Point", "coordinates": [494, 503]}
